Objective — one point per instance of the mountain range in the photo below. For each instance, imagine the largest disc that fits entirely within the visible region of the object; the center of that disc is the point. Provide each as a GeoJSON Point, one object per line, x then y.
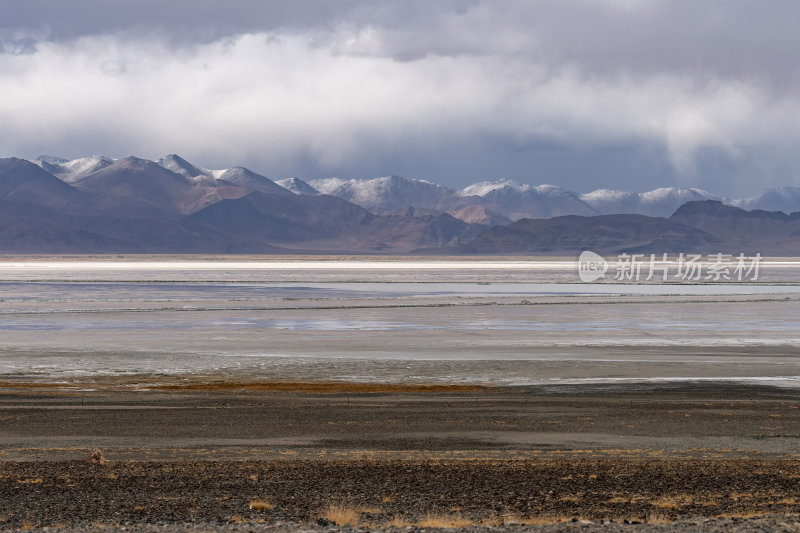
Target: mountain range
{"type": "Point", "coordinates": [132, 205]}
{"type": "Point", "coordinates": [500, 201]}
{"type": "Point", "coordinates": [507, 200]}
{"type": "Point", "coordinates": [706, 227]}
{"type": "Point", "coordinates": [99, 204]}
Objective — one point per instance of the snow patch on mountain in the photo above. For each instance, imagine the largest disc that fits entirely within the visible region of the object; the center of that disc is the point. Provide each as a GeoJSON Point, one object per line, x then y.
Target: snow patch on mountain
{"type": "Point", "coordinates": [490, 202]}
{"type": "Point", "coordinates": [241, 176]}
{"type": "Point", "coordinates": [51, 159]}
{"type": "Point", "coordinates": [388, 193]}
{"type": "Point", "coordinates": [297, 186]}
{"type": "Point", "coordinates": [518, 200]}
{"type": "Point", "coordinates": [179, 165]}
{"type": "Point", "coordinates": [477, 214]}
{"type": "Point", "coordinates": [658, 202]}
{"type": "Point", "coordinates": [786, 199]}
{"type": "Point", "coordinates": [249, 180]}
{"type": "Point", "coordinates": [485, 188]}
{"type": "Point", "coordinates": [76, 169]}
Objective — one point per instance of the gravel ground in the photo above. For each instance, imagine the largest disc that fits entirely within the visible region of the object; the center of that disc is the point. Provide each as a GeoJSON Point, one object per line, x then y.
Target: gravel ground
{"type": "Point", "coordinates": [377, 493]}
{"type": "Point", "coordinates": [772, 523]}
{"type": "Point", "coordinates": [674, 459]}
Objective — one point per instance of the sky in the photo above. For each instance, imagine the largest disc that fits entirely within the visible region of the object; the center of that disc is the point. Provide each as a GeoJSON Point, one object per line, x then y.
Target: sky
{"type": "Point", "coordinates": [586, 94]}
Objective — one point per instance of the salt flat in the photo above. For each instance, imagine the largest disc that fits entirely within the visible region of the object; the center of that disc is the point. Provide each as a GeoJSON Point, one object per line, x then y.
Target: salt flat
{"type": "Point", "coordinates": [497, 324]}
{"type": "Point", "coordinates": [382, 269]}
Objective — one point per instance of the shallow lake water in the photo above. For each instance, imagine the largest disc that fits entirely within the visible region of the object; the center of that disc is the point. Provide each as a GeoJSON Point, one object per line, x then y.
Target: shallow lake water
{"type": "Point", "coordinates": [492, 331]}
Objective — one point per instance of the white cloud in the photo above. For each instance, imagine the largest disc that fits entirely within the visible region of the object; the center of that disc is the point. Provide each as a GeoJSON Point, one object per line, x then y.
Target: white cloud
{"type": "Point", "coordinates": [338, 95]}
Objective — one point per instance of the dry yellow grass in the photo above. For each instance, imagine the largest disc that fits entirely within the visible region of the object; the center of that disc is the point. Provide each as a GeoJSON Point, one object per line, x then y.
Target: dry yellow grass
{"type": "Point", "coordinates": [260, 505]}
{"type": "Point", "coordinates": [30, 481]}
{"type": "Point", "coordinates": [388, 498]}
{"type": "Point", "coordinates": [437, 520]}
{"type": "Point", "coordinates": [706, 503]}
{"type": "Point", "coordinates": [341, 514]}
{"type": "Point", "coordinates": [491, 521]}
{"type": "Point", "coordinates": [675, 501]}
{"type": "Point", "coordinates": [658, 518]}
{"type": "Point", "coordinates": [744, 514]}
{"type": "Point", "coordinates": [96, 457]}
{"type": "Point", "coordinates": [537, 520]}
{"type": "Point", "coordinates": [441, 520]}
{"type": "Point", "coordinates": [668, 502]}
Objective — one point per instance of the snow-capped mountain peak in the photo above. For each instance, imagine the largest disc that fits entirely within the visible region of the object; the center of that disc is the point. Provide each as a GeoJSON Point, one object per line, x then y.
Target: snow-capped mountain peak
{"type": "Point", "coordinates": [658, 202]}
{"type": "Point", "coordinates": [76, 169]}
{"type": "Point", "coordinates": [786, 199]}
{"type": "Point", "coordinates": [520, 200]}
{"type": "Point", "coordinates": [387, 193]}
{"type": "Point", "coordinates": [484, 188]}
{"type": "Point", "coordinates": [179, 165]}
{"type": "Point", "coordinates": [249, 180]}
{"type": "Point", "coordinates": [487, 201]}
{"type": "Point", "coordinates": [297, 186]}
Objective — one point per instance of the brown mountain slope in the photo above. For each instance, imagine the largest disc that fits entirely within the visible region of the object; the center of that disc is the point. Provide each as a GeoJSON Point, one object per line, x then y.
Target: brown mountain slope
{"type": "Point", "coordinates": [326, 223]}
{"type": "Point", "coordinates": [573, 234]}
{"type": "Point", "coordinates": [743, 231]}
{"type": "Point", "coordinates": [22, 182]}
{"type": "Point", "coordinates": [137, 187]}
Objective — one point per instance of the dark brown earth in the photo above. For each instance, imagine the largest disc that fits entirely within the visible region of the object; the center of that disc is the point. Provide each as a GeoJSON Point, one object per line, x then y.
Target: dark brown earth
{"type": "Point", "coordinates": [201, 454]}
{"type": "Point", "coordinates": [404, 491]}
{"type": "Point", "coordinates": [262, 419]}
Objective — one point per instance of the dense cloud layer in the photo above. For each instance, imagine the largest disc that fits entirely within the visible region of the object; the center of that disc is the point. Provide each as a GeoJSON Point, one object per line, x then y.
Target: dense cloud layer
{"type": "Point", "coordinates": [625, 93]}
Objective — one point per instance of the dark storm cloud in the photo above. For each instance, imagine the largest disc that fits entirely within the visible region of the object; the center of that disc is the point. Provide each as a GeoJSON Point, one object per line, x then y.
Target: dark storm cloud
{"type": "Point", "coordinates": [634, 93]}
{"type": "Point", "coordinates": [734, 37]}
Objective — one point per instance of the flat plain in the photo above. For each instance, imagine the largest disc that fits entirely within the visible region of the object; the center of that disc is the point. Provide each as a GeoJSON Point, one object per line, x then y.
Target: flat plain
{"type": "Point", "coordinates": [461, 395]}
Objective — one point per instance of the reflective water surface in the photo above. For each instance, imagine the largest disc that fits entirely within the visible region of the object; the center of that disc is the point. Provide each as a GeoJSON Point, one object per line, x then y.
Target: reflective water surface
{"type": "Point", "coordinates": [379, 326]}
